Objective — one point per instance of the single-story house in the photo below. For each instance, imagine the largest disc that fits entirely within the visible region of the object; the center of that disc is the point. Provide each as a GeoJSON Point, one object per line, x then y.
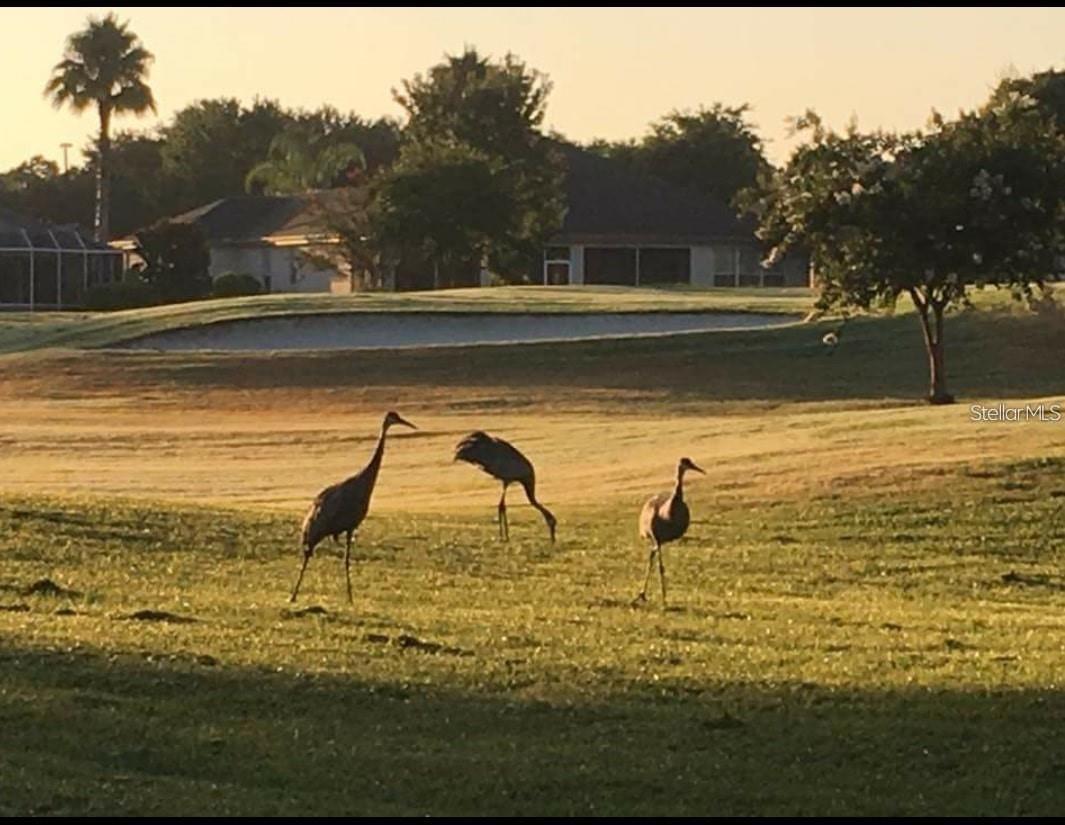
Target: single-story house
{"type": "Point", "coordinates": [620, 227]}
{"type": "Point", "coordinates": [50, 266]}
{"type": "Point", "coordinates": [268, 236]}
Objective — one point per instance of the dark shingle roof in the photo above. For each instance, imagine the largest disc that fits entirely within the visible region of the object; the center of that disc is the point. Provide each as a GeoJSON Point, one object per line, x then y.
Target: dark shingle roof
{"type": "Point", "coordinates": [608, 202]}
{"type": "Point", "coordinates": [250, 218]}
{"type": "Point", "coordinates": [244, 217]}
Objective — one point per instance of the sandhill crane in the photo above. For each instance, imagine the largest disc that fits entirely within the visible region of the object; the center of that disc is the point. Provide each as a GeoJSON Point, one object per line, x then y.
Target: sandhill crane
{"type": "Point", "coordinates": [340, 508]}
{"type": "Point", "coordinates": [665, 518]}
{"type": "Point", "coordinates": [502, 460]}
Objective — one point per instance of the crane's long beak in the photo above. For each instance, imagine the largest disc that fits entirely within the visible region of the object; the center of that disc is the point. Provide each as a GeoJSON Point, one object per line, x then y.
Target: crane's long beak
{"type": "Point", "coordinates": [405, 422]}
{"type": "Point", "coordinates": [698, 469]}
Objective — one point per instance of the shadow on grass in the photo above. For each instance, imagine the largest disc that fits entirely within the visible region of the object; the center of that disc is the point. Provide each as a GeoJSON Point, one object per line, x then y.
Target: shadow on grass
{"type": "Point", "coordinates": [84, 733]}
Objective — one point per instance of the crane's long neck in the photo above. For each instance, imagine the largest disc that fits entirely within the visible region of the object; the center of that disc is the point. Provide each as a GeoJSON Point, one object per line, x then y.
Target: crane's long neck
{"type": "Point", "coordinates": [531, 495]}
{"type": "Point", "coordinates": [375, 461]}
{"type": "Point", "coordinates": [549, 517]}
{"type": "Point", "coordinates": [678, 490]}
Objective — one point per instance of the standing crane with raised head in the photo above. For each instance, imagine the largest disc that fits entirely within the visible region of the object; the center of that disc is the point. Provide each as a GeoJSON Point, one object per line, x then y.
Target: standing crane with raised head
{"type": "Point", "coordinates": [505, 462]}
{"type": "Point", "coordinates": [665, 518]}
{"type": "Point", "coordinates": [341, 508]}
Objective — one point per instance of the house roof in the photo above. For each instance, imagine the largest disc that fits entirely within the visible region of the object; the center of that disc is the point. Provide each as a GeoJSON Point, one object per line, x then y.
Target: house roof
{"type": "Point", "coordinates": [251, 219]}
{"type": "Point", "coordinates": [243, 218]}
{"type": "Point", "coordinates": [606, 202]}
{"type": "Point", "coordinates": [14, 229]}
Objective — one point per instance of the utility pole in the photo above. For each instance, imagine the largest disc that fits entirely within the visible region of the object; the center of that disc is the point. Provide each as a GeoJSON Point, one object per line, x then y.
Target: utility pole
{"type": "Point", "coordinates": [66, 163]}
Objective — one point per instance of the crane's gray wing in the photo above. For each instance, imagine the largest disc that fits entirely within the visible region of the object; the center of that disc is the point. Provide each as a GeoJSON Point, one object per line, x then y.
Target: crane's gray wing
{"type": "Point", "coordinates": [649, 513]}
{"type": "Point", "coordinates": [322, 516]}
{"type": "Point", "coordinates": [497, 457]}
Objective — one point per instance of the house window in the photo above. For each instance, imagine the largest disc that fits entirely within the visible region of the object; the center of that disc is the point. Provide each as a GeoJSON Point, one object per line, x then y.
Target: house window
{"type": "Point", "coordinates": [665, 265]}
{"type": "Point", "coordinates": [610, 265]}
{"type": "Point", "coordinates": [750, 267]}
{"type": "Point", "coordinates": [726, 264]}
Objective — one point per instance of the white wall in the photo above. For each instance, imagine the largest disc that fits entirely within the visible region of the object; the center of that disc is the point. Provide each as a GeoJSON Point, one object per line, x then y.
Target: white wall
{"type": "Point", "coordinates": [576, 264]}
{"type": "Point", "coordinates": [702, 266]}
{"type": "Point", "coordinates": [286, 267]}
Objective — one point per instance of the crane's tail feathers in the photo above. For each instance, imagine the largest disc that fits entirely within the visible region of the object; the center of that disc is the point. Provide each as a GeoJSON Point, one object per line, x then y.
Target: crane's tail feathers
{"type": "Point", "coordinates": [474, 448]}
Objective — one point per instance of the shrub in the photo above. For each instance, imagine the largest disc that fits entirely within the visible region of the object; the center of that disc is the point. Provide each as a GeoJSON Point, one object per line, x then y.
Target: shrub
{"type": "Point", "coordinates": [234, 284]}
{"type": "Point", "coordinates": [177, 259]}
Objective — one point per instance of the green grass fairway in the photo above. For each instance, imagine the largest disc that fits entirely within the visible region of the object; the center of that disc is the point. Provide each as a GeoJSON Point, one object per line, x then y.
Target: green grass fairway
{"type": "Point", "coordinates": [866, 617]}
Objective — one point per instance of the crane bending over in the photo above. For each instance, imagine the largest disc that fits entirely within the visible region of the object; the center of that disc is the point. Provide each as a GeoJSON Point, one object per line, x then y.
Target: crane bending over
{"type": "Point", "coordinates": [341, 508]}
{"type": "Point", "coordinates": [664, 519]}
{"type": "Point", "coordinates": [505, 462]}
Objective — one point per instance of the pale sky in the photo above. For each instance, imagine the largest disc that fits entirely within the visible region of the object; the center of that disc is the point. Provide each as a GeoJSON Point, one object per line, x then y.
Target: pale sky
{"type": "Point", "coordinates": [613, 70]}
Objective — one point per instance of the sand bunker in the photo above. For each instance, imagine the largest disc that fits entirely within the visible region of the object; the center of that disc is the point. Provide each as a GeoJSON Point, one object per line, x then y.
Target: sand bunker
{"type": "Point", "coordinates": [397, 330]}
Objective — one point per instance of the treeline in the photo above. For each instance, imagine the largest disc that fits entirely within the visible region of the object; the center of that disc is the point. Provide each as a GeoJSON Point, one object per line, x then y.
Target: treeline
{"type": "Point", "coordinates": [205, 152]}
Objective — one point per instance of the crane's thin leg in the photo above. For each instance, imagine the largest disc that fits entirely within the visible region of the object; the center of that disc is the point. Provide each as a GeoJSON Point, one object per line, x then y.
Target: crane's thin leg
{"type": "Point", "coordinates": [662, 575]}
{"type": "Point", "coordinates": [642, 597]}
{"type": "Point", "coordinates": [296, 589]}
{"type": "Point", "coordinates": [347, 567]}
{"type": "Point", "coordinates": [504, 528]}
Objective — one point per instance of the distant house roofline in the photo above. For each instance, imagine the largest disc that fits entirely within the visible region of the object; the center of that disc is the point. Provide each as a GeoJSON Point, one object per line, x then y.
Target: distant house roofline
{"type": "Point", "coordinates": [256, 220]}
{"type": "Point", "coordinates": [608, 202]}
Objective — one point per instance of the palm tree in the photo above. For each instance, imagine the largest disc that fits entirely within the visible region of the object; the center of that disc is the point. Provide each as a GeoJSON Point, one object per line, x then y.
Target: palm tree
{"type": "Point", "coordinates": [298, 161]}
{"type": "Point", "coordinates": [106, 65]}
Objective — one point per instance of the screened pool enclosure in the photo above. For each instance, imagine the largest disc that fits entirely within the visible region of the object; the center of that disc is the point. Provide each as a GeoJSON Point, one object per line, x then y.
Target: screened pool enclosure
{"type": "Point", "coordinates": [45, 266]}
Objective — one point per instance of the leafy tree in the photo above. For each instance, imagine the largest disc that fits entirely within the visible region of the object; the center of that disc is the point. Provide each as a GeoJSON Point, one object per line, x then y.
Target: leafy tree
{"type": "Point", "coordinates": [176, 260]}
{"type": "Point", "coordinates": [356, 248]}
{"type": "Point", "coordinates": [1046, 89]}
{"type": "Point", "coordinates": [471, 113]}
{"type": "Point", "coordinates": [31, 172]}
{"type": "Point", "coordinates": [974, 202]}
{"type": "Point", "coordinates": [299, 161]}
{"type": "Point", "coordinates": [715, 151]}
{"type": "Point", "coordinates": [38, 189]}
{"type": "Point", "coordinates": [378, 139]}
{"type": "Point", "coordinates": [204, 153]}
{"type": "Point", "coordinates": [624, 151]}
{"type": "Point", "coordinates": [448, 200]}
{"type": "Point", "coordinates": [105, 66]}
{"type": "Point", "coordinates": [210, 146]}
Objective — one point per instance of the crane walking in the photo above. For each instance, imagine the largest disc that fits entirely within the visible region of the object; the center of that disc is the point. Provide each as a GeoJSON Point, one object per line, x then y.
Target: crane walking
{"type": "Point", "coordinates": [341, 508]}
{"type": "Point", "coordinates": [665, 518]}
{"type": "Point", "coordinates": [505, 462]}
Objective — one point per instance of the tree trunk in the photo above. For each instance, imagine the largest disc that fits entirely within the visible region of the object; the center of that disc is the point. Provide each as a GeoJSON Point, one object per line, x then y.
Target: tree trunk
{"type": "Point", "coordinates": [102, 219]}
{"type": "Point", "coordinates": [931, 315]}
